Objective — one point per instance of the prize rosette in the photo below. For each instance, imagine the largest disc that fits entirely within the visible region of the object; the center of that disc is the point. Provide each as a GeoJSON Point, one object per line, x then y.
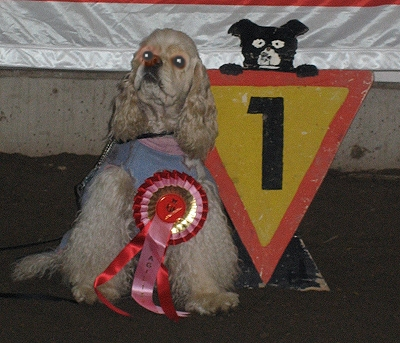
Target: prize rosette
{"type": "Point", "coordinates": [169, 208]}
{"type": "Point", "coordinates": [176, 198]}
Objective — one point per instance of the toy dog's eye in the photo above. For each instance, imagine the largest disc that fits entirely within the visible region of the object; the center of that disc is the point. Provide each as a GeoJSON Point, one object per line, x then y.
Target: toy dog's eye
{"type": "Point", "coordinates": [179, 62]}
{"type": "Point", "coordinates": [147, 55]}
{"type": "Point", "coordinates": [278, 44]}
{"type": "Point", "coordinates": [258, 43]}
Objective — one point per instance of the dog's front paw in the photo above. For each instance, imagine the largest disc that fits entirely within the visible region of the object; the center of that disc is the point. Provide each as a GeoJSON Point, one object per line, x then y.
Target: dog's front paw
{"type": "Point", "coordinates": [87, 294]}
{"type": "Point", "coordinates": [212, 303]}
{"type": "Point", "coordinates": [84, 293]}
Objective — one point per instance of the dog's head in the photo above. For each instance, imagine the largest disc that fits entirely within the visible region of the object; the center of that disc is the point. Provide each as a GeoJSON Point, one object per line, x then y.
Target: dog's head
{"type": "Point", "coordinates": [167, 90]}
{"type": "Point", "coordinates": [268, 47]}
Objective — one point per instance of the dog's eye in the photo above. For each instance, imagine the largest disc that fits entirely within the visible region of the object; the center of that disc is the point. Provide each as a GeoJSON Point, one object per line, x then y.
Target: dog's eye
{"type": "Point", "coordinates": [147, 55]}
{"type": "Point", "coordinates": [278, 44]}
{"type": "Point", "coordinates": [258, 43]}
{"type": "Point", "coordinates": [179, 62]}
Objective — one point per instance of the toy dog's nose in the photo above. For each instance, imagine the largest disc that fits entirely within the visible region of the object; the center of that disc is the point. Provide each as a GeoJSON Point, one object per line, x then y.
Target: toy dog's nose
{"type": "Point", "coordinates": [151, 60]}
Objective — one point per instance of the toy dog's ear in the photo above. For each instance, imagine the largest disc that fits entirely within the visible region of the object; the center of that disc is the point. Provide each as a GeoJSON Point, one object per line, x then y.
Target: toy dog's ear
{"type": "Point", "coordinates": [241, 27]}
{"type": "Point", "coordinates": [297, 27]}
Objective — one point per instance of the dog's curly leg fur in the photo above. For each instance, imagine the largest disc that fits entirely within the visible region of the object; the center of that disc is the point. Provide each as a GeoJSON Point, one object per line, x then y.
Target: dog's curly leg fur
{"type": "Point", "coordinates": [100, 232]}
{"type": "Point", "coordinates": [203, 270]}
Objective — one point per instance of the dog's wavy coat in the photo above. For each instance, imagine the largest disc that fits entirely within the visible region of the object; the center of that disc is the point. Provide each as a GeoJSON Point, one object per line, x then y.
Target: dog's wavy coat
{"type": "Point", "coordinates": [167, 91]}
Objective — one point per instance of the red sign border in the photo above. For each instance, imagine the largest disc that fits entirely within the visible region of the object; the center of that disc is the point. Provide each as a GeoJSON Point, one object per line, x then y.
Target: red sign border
{"type": "Point", "coordinates": [266, 258]}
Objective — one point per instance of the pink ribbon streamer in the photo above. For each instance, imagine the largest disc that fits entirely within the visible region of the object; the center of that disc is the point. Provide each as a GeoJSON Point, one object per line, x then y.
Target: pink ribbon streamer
{"type": "Point", "coordinates": [151, 259]}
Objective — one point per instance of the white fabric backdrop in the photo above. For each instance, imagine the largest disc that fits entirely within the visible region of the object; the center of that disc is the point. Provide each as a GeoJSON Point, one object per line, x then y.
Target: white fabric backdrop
{"type": "Point", "coordinates": [104, 35]}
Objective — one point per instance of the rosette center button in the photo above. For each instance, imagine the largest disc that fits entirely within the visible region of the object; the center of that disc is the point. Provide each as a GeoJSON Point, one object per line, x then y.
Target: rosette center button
{"type": "Point", "coordinates": [170, 208]}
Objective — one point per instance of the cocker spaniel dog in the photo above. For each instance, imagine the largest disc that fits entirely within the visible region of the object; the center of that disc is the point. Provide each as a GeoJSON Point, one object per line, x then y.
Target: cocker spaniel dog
{"type": "Point", "coordinates": [164, 118]}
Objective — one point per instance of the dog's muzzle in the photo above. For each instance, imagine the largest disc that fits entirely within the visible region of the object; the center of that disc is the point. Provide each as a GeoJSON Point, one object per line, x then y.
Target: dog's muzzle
{"type": "Point", "coordinates": [151, 64]}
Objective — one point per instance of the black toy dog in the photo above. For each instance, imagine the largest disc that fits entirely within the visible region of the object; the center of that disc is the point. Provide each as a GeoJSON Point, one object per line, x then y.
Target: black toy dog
{"type": "Point", "coordinates": [268, 48]}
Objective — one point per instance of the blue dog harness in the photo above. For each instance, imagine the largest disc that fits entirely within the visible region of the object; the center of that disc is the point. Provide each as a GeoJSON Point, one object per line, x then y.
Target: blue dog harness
{"type": "Point", "coordinates": [142, 158]}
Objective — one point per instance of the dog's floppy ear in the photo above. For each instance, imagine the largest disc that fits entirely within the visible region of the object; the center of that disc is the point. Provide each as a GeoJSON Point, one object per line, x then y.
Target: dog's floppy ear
{"type": "Point", "coordinates": [198, 128]}
{"type": "Point", "coordinates": [128, 121]}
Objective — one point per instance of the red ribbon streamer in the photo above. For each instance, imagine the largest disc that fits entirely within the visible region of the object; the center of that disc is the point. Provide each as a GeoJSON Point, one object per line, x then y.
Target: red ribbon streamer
{"type": "Point", "coordinates": [123, 258]}
{"type": "Point", "coordinates": [165, 296]}
{"type": "Point", "coordinates": [126, 255]}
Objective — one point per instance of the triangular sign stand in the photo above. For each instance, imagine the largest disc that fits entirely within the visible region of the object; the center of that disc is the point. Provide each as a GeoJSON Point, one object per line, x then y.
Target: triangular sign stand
{"type": "Point", "coordinates": [278, 135]}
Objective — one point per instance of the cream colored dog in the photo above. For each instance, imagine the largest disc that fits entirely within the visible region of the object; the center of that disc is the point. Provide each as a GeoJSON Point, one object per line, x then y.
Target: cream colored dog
{"type": "Point", "coordinates": [165, 109]}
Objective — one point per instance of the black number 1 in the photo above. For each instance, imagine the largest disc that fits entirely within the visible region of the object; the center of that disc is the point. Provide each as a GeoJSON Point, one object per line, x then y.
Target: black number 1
{"type": "Point", "coordinates": [272, 146]}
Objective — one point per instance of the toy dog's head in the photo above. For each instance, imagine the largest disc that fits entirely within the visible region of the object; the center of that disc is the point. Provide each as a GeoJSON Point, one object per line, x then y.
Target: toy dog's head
{"type": "Point", "coordinates": [268, 47]}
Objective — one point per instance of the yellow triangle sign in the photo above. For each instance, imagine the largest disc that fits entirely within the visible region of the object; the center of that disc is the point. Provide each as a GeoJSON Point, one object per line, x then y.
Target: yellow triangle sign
{"type": "Point", "coordinates": [278, 134]}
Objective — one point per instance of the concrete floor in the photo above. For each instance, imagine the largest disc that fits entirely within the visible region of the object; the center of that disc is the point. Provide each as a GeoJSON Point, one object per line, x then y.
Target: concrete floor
{"type": "Point", "coordinates": [351, 229]}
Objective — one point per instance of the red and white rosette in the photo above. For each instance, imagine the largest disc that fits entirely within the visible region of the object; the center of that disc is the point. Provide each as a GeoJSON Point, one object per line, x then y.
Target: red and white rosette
{"type": "Point", "coordinates": [175, 198]}
{"type": "Point", "coordinates": [169, 208]}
